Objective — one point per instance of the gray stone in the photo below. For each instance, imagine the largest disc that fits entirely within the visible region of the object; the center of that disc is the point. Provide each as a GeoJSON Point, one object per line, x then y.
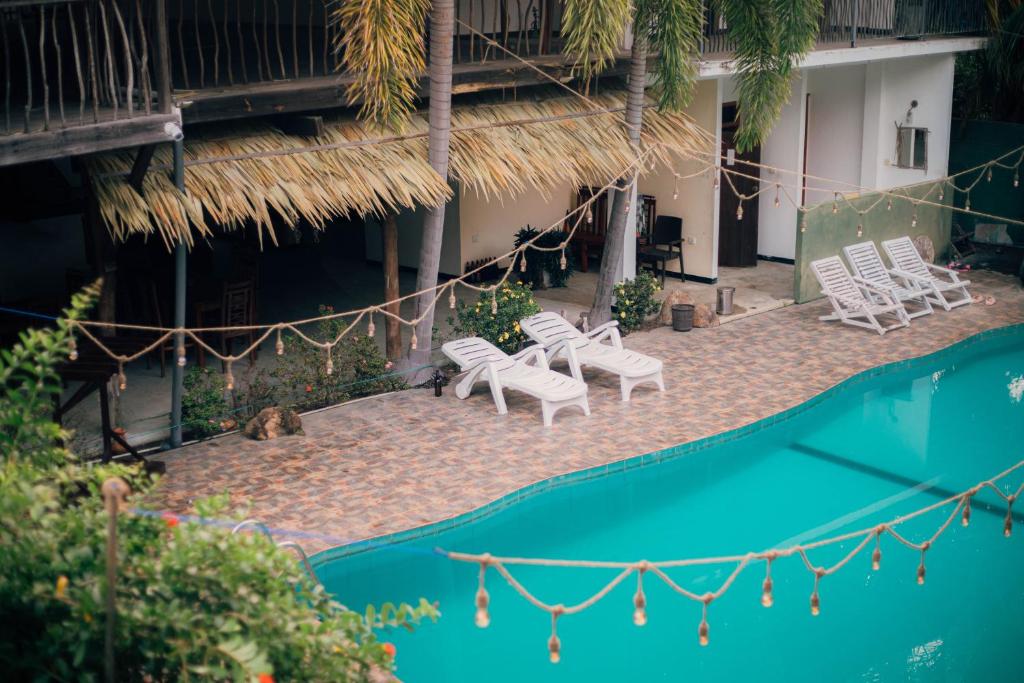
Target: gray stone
{"type": "Point", "coordinates": [705, 316]}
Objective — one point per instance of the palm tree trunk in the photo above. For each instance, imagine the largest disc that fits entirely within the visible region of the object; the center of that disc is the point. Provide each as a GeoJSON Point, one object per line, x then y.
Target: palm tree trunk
{"type": "Point", "coordinates": [611, 257]}
{"type": "Point", "coordinates": [442, 24]}
{"type": "Point", "coordinates": [392, 328]}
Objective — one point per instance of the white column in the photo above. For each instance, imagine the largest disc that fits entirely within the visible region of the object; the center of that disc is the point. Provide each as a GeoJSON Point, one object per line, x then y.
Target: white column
{"type": "Point", "coordinates": [872, 153]}
{"type": "Point", "coordinates": [716, 191]}
{"type": "Point", "coordinates": [627, 269]}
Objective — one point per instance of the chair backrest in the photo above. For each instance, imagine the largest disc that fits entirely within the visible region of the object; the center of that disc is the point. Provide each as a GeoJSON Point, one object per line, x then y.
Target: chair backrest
{"type": "Point", "coordinates": [472, 351]}
{"type": "Point", "coordinates": [904, 256]}
{"type": "Point", "coordinates": [835, 279]}
{"type": "Point", "coordinates": [548, 327]}
{"type": "Point", "coordinates": [238, 304]}
{"type": "Point", "coordinates": [867, 263]}
{"type": "Point", "coordinates": [667, 229]}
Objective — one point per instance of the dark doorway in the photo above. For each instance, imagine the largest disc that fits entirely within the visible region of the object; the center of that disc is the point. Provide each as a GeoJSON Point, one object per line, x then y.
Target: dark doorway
{"type": "Point", "coordinates": [737, 237]}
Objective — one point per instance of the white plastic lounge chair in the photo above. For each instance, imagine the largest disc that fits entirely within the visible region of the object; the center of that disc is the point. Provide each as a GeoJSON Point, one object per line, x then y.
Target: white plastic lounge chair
{"type": "Point", "coordinates": [916, 273]}
{"type": "Point", "coordinates": [484, 362]}
{"type": "Point", "coordinates": [560, 338]}
{"type": "Point", "coordinates": [856, 303]}
{"type": "Point", "coordinates": [869, 268]}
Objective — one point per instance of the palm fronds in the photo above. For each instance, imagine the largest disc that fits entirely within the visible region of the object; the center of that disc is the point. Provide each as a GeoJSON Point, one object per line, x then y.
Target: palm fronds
{"type": "Point", "coordinates": [495, 150]}
{"type": "Point", "coordinates": [593, 30]}
{"type": "Point", "coordinates": [381, 47]}
{"type": "Point", "coordinates": [770, 37]}
{"type": "Point", "coordinates": [675, 29]}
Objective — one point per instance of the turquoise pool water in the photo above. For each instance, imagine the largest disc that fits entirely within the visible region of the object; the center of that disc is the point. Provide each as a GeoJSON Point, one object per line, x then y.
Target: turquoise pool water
{"type": "Point", "coordinates": [881, 444]}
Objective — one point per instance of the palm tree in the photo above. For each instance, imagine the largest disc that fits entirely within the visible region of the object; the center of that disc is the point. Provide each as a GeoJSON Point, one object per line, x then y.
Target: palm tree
{"type": "Point", "coordinates": [770, 35]}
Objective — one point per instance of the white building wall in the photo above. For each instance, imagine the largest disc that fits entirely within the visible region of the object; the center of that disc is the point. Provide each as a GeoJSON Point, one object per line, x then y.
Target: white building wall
{"type": "Point", "coordinates": [784, 149]}
{"type": "Point", "coordinates": [835, 129]}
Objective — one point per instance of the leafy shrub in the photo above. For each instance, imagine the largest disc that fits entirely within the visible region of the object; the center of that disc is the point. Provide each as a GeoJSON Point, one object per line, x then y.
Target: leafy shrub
{"type": "Point", "coordinates": [634, 301]}
{"type": "Point", "coordinates": [360, 369]}
{"type": "Point", "coordinates": [203, 403]}
{"type": "Point", "coordinates": [540, 262]}
{"type": "Point", "coordinates": [193, 601]}
{"type": "Point", "coordinates": [515, 302]}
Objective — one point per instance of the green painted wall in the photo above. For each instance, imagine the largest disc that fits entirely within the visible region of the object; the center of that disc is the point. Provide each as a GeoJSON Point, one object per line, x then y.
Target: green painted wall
{"type": "Point", "coordinates": [828, 233]}
{"type": "Point", "coordinates": [976, 142]}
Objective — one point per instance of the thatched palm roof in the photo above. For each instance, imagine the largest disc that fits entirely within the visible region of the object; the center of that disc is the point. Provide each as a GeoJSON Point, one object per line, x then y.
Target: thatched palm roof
{"type": "Point", "coordinates": [376, 172]}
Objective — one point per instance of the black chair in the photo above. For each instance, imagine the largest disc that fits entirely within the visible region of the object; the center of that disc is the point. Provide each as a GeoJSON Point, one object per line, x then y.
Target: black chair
{"type": "Point", "coordinates": [666, 242]}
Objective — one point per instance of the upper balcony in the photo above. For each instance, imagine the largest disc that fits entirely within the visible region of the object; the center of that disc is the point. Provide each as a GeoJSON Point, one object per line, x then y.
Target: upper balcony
{"type": "Point", "coordinates": [86, 75]}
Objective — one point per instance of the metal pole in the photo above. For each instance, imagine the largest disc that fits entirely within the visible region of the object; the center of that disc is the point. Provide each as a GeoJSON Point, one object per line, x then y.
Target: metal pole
{"type": "Point", "coordinates": [178, 371]}
{"type": "Point", "coordinates": [855, 12]}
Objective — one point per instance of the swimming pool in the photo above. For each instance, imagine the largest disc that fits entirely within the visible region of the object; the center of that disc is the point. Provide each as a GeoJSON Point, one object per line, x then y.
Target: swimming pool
{"type": "Point", "coordinates": [884, 443]}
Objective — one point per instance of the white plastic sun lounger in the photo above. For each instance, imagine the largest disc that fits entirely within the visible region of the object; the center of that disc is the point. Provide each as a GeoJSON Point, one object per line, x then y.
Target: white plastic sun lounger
{"type": "Point", "coordinates": [868, 268]}
{"type": "Point", "coordinates": [560, 338]}
{"type": "Point", "coordinates": [916, 273]}
{"type": "Point", "coordinates": [484, 362]}
{"type": "Point", "coordinates": [856, 303]}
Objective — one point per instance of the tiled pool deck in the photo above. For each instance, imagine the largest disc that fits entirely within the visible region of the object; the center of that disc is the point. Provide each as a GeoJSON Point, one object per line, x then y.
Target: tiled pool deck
{"type": "Point", "coordinates": [391, 463]}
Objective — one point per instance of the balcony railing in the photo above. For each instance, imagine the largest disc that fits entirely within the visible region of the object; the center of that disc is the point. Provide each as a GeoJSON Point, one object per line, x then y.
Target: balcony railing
{"type": "Point", "coordinates": [848, 21]}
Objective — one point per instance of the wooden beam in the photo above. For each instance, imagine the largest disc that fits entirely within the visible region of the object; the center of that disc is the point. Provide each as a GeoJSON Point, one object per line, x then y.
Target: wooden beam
{"type": "Point", "coordinates": [303, 125]}
{"type": "Point", "coordinates": [141, 165]}
{"type": "Point", "coordinates": [141, 130]}
{"type": "Point", "coordinates": [163, 59]}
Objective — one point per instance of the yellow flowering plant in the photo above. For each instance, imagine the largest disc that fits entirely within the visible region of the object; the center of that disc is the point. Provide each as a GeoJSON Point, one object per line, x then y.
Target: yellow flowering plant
{"type": "Point", "coordinates": [501, 327]}
{"type": "Point", "coordinates": [635, 301]}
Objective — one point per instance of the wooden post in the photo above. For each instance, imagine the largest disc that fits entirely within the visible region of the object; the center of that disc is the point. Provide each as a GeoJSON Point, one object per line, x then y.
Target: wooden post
{"type": "Point", "coordinates": [393, 330]}
{"type": "Point", "coordinates": [163, 59]}
{"type": "Point", "coordinates": [103, 258]}
{"type": "Point", "coordinates": [114, 491]}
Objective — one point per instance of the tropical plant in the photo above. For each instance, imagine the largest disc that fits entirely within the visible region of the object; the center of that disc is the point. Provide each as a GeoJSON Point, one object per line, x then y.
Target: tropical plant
{"type": "Point", "coordinates": [500, 325]}
{"type": "Point", "coordinates": [770, 36]}
{"type": "Point", "coordinates": [635, 301]}
{"type": "Point", "coordinates": [204, 404]}
{"type": "Point", "coordinates": [539, 261]}
{"type": "Point", "coordinates": [989, 82]}
{"type": "Point", "coordinates": [192, 600]}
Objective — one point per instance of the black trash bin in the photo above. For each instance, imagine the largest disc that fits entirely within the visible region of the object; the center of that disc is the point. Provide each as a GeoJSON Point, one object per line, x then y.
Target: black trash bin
{"type": "Point", "coordinates": [682, 317]}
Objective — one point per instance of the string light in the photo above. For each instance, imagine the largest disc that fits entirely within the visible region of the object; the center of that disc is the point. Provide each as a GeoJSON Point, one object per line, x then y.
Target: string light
{"type": "Point", "coordinates": [1016, 179]}
{"type": "Point", "coordinates": [803, 223]}
{"type": "Point", "coordinates": [965, 519]}
{"type": "Point", "coordinates": [562, 262]}
{"type": "Point", "coordinates": [482, 618]}
{"type": "Point", "coordinates": [739, 211]}
{"type": "Point", "coordinates": [888, 205]}
{"type": "Point", "coordinates": [279, 344]}
{"type": "Point", "coordinates": [522, 263]}
{"type": "Point", "coordinates": [703, 630]}
{"type": "Point", "coordinates": [967, 202]}
{"type": "Point", "coordinates": [835, 203]}
{"type": "Point", "coordinates": [766, 587]}
{"type": "Point", "coordinates": [815, 598]}
{"type": "Point", "coordinates": [942, 193]}
{"type": "Point", "coordinates": [675, 189]}
{"type": "Point", "coordinates": [371, 329]}
{"type": "Point", "coordinates": [640, 600]}
{"type": "Point", "coordinates": [229, 379]}
{"type": "Point", "coordinates": [181, 356]}
{"type": "Point", "coordinates": [988, 175]}
{"type": "Point", "coordinates": [876, 556]}
{"type": "Point", "coordinates": [913, 219]}
{"type": "Point", "coordinates": [715, 178]}
{"type": "Point", "coordinates": [554, 644]}
{"type": "Point", "coordinates": [451, 298]}
{"type": "Point", "coordinates": [1008, 522]}
{"type": "Point", "coordinates": [590, 215]}
{"type": "Point", "coordinates": [494, 302]}
{"type": "Point", "coordinates": [412, 341]}
{"type": "Point", "coordinates": [860, 230]}
{"type": "Point", "coordinates": [73, 353]}
{"type": "Point", "coordinates": [778, 189]}
{"type": "Point", "coordinates": [920, 567]}
{"type": "Point", "coordinates": [329, 366]}
{"type": "Point", "coordinates": [122, 379]}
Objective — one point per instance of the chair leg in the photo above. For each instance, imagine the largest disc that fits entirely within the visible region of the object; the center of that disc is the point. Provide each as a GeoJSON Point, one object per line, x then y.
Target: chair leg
{"type": "Point", "coordinates": [682, 271]}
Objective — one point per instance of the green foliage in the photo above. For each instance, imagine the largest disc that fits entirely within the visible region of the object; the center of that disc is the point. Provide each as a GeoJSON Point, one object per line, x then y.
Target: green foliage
{"type": "Point", "coordinates": [635, 302]}
{"type": "Point", "coordinates": [989, 83]}
{"type": "Point", "coordinates": [192, 599]}
{"type": "Point", "coordinates": [675, 29]}
{"type": "Point", "coordinates": [771, 36]}
{"type": "Point", "coordinates": [540, 262]}
{"type": "Point", "coordinates": [593, 30]}
{"type": "Point", "coordinates": [359, 368]}
{"type": "Point", "coordinates": [203, 403]}
{"type": "Point", "coordinates": [381, 46]}
{"type": "Point", "coordinates": [515, 302]}
{"type": "Point", "coordinates": [28, 384]}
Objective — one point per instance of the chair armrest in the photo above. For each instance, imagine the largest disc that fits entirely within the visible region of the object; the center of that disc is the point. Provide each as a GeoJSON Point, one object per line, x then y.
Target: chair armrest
{"type": "Point", "coordinates": [534, 352]}
{"type": "Point", "coordinates": [907, 276]}
{"type": "Point", "coordinates": [949, 272]}
{"type": "Point", "coordinates": [870, 289]}
{"type": "Point", "coordinates": [609, 330]}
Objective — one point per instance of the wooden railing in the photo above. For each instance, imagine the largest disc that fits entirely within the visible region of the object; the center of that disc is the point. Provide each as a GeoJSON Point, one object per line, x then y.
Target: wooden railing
{"type": "Point", "coordinates": [77, 62]}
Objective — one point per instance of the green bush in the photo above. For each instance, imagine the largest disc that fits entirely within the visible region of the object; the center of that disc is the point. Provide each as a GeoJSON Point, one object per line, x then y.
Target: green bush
{"type": "Point", "coordinates": [635, 302]}
{"type": "Point", "coordinates": [204, 404]}
{"type": "Point", "coordinates": [359, 368]}
{"type": "Point", "coordinates": [540, 262]}
{"type": "Point", "coordinates": [515, 302]}
{"type": "Point", "coordinates": [193, 601]}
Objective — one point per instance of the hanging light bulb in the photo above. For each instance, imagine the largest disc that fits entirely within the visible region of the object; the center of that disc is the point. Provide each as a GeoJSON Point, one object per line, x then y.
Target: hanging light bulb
{"type": "Point", "coordinates": [639, 608]}
{"type": "Point", "coordinates": [329, 367]}
{"type": "Point", "coordinates": [494, 302]}
{"type": "Point", "coordinates": [1016, 179]}
{"type": "Point", "coordinates": [888, 205]}
{"type": "Point", "coordinates": [371, 329]}
{"type": "Point", "coordinates": [766, 592]}
{"type": "Point", "coordinates": [675, 189]}
{"type": "Point", "coordinates": [702, 633]}
{"type": "Point", "coordinates": [181, 356]}
{"type": "Point", "coordinates": [122, 379]}
{"type": "Point", "coordinates": [965, 519]}
{"type": "Point", "coordinates": [777, 190]}
{"type": "Point", "coordinates": [988, 176]}
{"type": "Point", "coordinates": [913, 220]}
{"type": "Point", "coordinates": [229, 379]}
{"type": "Point", "coordinates": [920, 574]}
{"type": "Point", "coordinates": [554, 649]}
{"type": "Point", "coordinates": [967, 203]}
{"type": "Point", "coordinates": [279, 344]}
{"type": "Point", "coordinates": [860, 230]}
{"type": "Point", "coordinates": [815, 603]}
{"type": "Point", "coordinates": [803, 223]}
{"type": "Point", "coordinates": [412, 342]}
{"type": "Point", "coordinates": [562, 262]}
{"type": "Point", "coordinates": [451, 298]}
{"type": "Point", "coordinates": [835, 203]}
{"type": "Point", "coordinates": [73, 353]}
{"type": "Point", "coordinates": [483, 618]}
{"type": "Point", "coordinates": [739, 211]}
{"type": "Point", "coordinates": [876, 556]}
{"type": "Point", "coordinates": [522, 262]}
{"type": "Point", "coordinates": [590, 215]}
{"type": "Point", "coordinates": [942, 193]}
{"type": "Point", "coordinates": [714, 182]}
{"type": "Point", "coordinates": [1008, 522]}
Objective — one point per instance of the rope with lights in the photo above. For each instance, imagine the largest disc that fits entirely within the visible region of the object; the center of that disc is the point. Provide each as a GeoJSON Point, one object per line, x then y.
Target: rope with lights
{"type": "Point", "coordinates": [961, 507]}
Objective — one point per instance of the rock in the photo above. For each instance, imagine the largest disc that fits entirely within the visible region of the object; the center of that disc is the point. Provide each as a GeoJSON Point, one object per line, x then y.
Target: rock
{"type": "Point", "coordinates": [705, 316]}
{"type": "Point", "coordinates": [672, 297]}
{"type": "Point", "coordinates": [273, 422]}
